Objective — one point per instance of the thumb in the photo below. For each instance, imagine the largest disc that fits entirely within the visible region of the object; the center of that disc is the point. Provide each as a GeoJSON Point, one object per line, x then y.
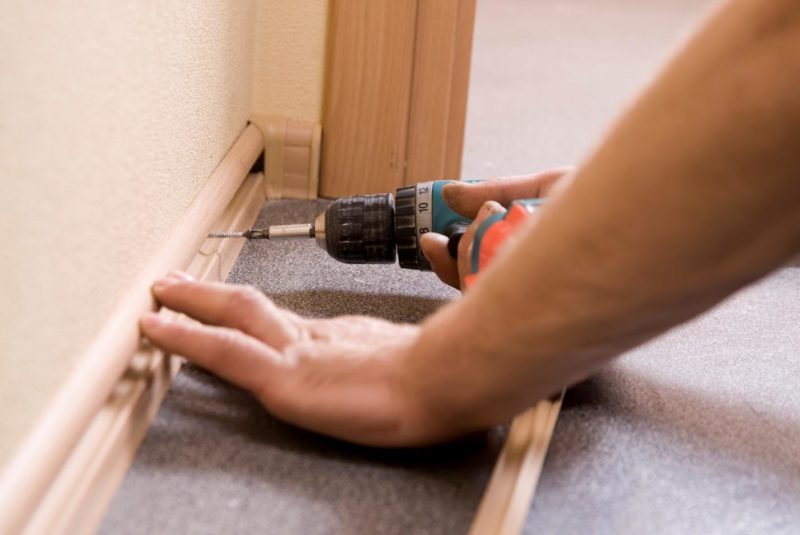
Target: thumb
{"type": "Point", "coordinates": [467, 198]}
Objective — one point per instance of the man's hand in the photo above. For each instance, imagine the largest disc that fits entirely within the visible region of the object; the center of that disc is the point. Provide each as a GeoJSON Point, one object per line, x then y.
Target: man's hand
{"type": "Point", "coordinates": [477, 201]}
{"type": "Point", "coordinates": [344, 377]}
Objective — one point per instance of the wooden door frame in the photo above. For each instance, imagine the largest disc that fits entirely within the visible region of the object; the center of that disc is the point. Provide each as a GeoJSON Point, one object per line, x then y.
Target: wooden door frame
{"type": "Point", "coordinates": [395, 93]}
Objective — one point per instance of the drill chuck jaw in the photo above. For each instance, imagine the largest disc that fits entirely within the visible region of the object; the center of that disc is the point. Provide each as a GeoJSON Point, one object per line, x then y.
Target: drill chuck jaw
{"type": "Point", "coordinates": [361, 229]}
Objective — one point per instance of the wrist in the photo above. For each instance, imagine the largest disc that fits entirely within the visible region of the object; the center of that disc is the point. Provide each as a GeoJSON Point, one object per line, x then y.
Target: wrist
{"type": "Point", "coordinates": [443, 383]}
{"type": "Point", "coordinates": [427, 416]}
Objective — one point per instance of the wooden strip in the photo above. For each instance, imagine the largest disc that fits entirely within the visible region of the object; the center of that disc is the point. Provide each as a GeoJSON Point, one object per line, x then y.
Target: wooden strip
{"type": "Point", "coordinates": [55, 436]}
{"type": "Point", "coordinates": [246, 211]}
{"type": "Point", "coordinates": [506, 501]}
{"type": "Point", "coordinates": [439, 89]}
{"type": "Point", "coordinates": [396, 93]}
{"type": "Point", "coordinates": [367, 91]}
{"type": "Point", "coordinates": [430, 90]}
{"type": "Point", "coordinates": [528, 477]}
{"type": "Point", "coordinates": [80, 495]}
{"type": "Point", "coordinates": [459, 88]}
{"type": "Point", "coordinates": [83, 489]}
{"type": "Point", "coordinates": [238, 214]}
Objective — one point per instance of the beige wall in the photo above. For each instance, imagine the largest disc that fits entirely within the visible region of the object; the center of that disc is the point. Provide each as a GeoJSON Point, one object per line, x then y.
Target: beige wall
{"type": "Point", "coordinates": [112, 114]}
{"type": "Point", "coordinates": [290, 58]}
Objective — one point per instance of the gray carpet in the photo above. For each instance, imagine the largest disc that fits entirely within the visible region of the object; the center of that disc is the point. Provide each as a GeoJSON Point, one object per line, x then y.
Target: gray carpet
{"type": "Point", "coordinates": [697, 432]}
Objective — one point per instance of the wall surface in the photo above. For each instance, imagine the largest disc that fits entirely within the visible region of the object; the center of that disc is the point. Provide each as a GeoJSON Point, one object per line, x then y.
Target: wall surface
{"type": "Point", "coordinates": [112, 115]}
{"type": "Point", "coordinates": [290, 58]}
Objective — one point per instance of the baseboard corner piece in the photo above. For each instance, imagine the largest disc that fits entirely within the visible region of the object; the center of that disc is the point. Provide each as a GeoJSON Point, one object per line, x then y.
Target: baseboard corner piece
{"type": "Point", "coordinates": [291, 156]}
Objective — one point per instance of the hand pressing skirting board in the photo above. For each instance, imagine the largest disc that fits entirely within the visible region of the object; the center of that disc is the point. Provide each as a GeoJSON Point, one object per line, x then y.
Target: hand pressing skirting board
{"type": "Point", "coordinates": [66, 471]}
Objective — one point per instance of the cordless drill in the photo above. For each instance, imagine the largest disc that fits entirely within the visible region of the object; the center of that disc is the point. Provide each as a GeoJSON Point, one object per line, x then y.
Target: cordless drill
{"type": "Point", "coordinates": [377, 229]}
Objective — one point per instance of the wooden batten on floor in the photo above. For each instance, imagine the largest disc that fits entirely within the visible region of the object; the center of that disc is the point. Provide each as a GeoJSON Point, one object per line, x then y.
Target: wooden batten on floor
{"type": "Point", "coordinates": [65, 473]}
{"type": "Point", "coordinates": [396, 93]}
{"type": "Point", "coordinates": [507, 499]}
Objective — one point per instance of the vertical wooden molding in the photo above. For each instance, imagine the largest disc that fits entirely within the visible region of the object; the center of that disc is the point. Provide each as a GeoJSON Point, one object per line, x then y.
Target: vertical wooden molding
{"type": "Point", "coordinates": [368, 86]}
{"type": "Point", "coordinates": [396, 90]}
{"type": "Point", "coordinates": [439, 89]}
{"type": "Point", "coordinates": [459, 88]}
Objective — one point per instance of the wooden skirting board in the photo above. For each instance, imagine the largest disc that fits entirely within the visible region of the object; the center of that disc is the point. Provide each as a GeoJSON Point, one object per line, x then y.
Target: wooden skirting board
{"type": "Point", "coordinates": [507, 499]}
{"type": "Point", "coordinates": [66, 472]}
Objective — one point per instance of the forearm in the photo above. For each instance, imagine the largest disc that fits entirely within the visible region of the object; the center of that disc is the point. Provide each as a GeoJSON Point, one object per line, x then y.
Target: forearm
{"type": "Point", "coordinates": [694, 193]}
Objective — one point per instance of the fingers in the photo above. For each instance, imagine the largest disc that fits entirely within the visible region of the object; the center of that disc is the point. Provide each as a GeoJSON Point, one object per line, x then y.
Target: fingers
{"type": "Point", "coordinates": [231, 354]}
{"type": "Point", "coordinates": [470, 200]}
{"type": "Point", "coordinates": [467, 198]}
{"type": "Point", "coordinates": [228, 305]}
{"type": "Point", "coordinates": [465, 246]}
{"type": "Point", "coordinates": [435, 248]}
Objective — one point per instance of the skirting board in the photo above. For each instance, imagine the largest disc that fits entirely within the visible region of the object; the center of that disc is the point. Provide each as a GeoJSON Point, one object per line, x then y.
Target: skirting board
{"type": "Point", "coordinates": [507, 499]}
{"type": "Point", "coordinates": [65, 473]}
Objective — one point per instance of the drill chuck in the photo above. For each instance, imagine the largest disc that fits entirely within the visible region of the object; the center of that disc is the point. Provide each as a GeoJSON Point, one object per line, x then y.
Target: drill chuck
{"type": "Point", "coordinates": [361, 229]}
{"type": "Point", "coordinates": [375, 229]}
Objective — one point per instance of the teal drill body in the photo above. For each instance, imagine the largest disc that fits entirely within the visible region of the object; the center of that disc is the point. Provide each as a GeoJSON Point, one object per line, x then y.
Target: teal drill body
{"type": "Point", "coordinates": [422, 208]}
{"type": "Point", "coordinates": [494, 230]}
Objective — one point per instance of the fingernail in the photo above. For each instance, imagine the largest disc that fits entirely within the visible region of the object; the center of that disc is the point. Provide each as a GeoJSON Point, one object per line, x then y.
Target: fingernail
{"type": "Point", "coordinates": [456, 185]}
{"type": "Point", "coordinates": [450, 190]}
{"type": "Point", "coordinates": [425, 244]}
{"type": "Point", "coordinates": [164, 283]}
{"type": "Point", "coordinates": [181, 275]}
{"type": "Point", "coordinates": [152, 321]}
{"type": "Point", "coordinates": [491, 207]}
